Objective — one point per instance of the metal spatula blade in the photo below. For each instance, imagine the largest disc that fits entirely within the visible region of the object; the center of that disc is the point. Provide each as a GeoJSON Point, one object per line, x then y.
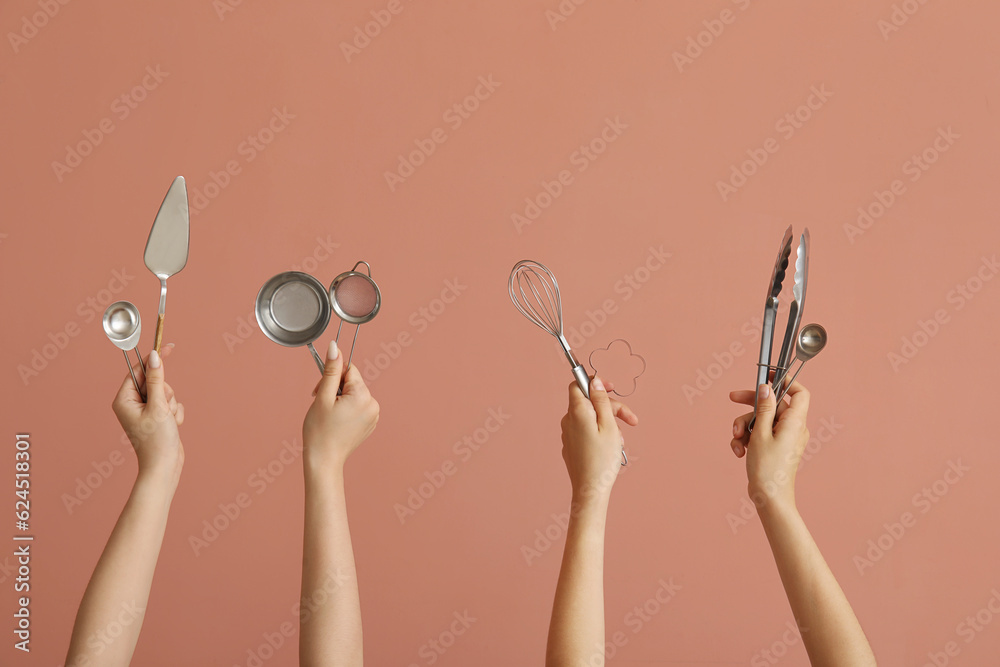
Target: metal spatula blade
{"type": "Point", "coordinates": [167, 247]}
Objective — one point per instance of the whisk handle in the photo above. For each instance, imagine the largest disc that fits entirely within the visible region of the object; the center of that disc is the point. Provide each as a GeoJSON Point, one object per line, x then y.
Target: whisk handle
{"type": "Point", "coordinates": [582, 379]}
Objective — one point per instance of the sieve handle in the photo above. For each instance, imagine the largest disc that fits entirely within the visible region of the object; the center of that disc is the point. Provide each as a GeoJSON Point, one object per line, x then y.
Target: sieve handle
{"type": "Point", "coordinates": [319, 361]}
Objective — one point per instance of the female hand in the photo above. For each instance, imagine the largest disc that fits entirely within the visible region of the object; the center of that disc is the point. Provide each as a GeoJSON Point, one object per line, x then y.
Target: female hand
{"type": "Point", "coordinates": [336, 425]}
{"type": "Point", "coordinates": [775, 448]}
{"type": "Point", "coordinates": [151, 426]}
{"type": "Point", "coordinates": [592, 442]}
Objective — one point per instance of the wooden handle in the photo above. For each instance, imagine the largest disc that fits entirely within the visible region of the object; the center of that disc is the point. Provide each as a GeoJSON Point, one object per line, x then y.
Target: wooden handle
{"type": "Point", "coordinates": [159, 333]}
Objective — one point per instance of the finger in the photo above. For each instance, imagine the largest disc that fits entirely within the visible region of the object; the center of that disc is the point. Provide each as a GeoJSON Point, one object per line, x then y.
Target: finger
{"type": "Point", "coordinates": [624, 412]}
{"type": "Point", "coordinates": [127, 393]}
{"type": "Point", "coordinates": [577, 401]}
{"type": "Point", "coordinates": [740, 426]}
{"type": "Point", "coordinates": [137, 368]}
{"type": "Point", "coordinates": [798, 407]}
{"type": "Point", "coordinates": [798, 397]}
{"type": "Point", "coordinates": [179, 415]}
{"type": "Point", "coordinates": [354, 383]}
{"type": "Point", "coordinates": [609, 386]}
{"type": "Point", "coordinates": [602, 404]}
{"type": "Point", "coordinates": [333, 371]}
{"type": "Point", "coordinates": [739, 447]}
{"type": "Point", "coordinates": [765, 410]}
{"type": "Point", "coordinates": [741, 432]}
{"type": "Point", "coordinates": [155, 383]}
{"type": "Point", "coordinates": [746, 397]}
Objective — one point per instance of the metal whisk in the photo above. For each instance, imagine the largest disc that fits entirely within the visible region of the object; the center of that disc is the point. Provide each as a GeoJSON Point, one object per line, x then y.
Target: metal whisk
{"type": "Point", "coordinates": [535, 292]}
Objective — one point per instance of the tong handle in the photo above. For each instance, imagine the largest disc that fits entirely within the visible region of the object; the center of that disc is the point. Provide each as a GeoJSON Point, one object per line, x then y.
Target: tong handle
{"type": "Point", "coordinates": [787, 344]}
{"type": "Point", "coordinates": [766, 340]}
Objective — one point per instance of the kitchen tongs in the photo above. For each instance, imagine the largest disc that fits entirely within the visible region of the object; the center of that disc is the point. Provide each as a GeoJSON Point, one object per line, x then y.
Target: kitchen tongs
{"type": "Point", "coordinates": [764, 366]}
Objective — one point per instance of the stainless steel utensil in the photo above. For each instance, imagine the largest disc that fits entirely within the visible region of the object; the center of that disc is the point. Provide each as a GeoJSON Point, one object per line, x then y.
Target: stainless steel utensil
{"type": "Point", "coordinates": [771, 311]}
{"type": "Point", "coordinates": [795, 309]}
{"type": "Point", "coordinates": [356, 299]}
{"type": "Point", "coordinates": [167, 246]}
{"type": "Point", "coordinates": [535, 292]}
{"type": "Point", "coordinates": [123, 327]}
{"type": "Point", "coordinates": [811, 341]}
{"type": "Point", "coordinates": [635, 378]}
{"type": "Point", "coordinates": [293, 310]}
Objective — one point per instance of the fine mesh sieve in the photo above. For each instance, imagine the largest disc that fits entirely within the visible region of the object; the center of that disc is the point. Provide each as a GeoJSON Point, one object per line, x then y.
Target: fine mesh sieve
{"type": "Point", "coordinates": [356, 299]}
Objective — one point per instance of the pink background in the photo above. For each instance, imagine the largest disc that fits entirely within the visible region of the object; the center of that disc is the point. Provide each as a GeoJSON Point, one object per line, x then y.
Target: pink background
{"type": "Point", "coordinates": [896, 430]}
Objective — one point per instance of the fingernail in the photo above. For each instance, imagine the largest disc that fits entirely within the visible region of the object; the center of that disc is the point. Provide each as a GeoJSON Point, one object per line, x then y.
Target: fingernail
{"type": "Point", "coordinates": [764, 390]}
{"type": "Point", "coordinates": [170, 345]}
{"type": "Point", "coordinates": [598, 384]}
{"type": "Point", "coordinates": [736, 449]}
{"type": "Point", "coordinates": [333, 352]}
{"type": "Point", "coordinates": [154, 359]}
{"type": "Point", "coordinates": [736, 430]}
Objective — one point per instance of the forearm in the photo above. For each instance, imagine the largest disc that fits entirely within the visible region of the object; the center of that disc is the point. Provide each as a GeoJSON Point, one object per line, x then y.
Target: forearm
{"type": "Point", "coordinates": [331, 620]}
{"type": "Point", "coordinates": [114, 604]}
{"type": "Point", "coordinates": [576, 632]}
{"type": "Point", "coordinates": [831, 632]}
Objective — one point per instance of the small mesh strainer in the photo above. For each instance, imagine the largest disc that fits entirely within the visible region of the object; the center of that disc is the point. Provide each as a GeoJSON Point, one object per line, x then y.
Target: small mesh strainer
{"type": "Point", "coordinates": [356, 299]}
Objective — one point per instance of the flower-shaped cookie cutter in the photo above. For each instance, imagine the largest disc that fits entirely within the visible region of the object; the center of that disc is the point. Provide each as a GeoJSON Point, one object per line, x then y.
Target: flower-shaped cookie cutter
{"type": "Point", "coordinates": [631, 355]}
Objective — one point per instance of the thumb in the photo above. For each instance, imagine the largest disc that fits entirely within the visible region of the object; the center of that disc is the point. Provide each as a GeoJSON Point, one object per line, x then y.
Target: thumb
{"type": "Point", "coordinates": [155, 392]}
{"type": "Point", "coordinates": [354, 384]}
{"type": "Point", "coordinates": [602, 404]}
{"type": "Point", "coordinates": [765, 410]}
{"type": "Point", "coordinates": [332, 371]}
